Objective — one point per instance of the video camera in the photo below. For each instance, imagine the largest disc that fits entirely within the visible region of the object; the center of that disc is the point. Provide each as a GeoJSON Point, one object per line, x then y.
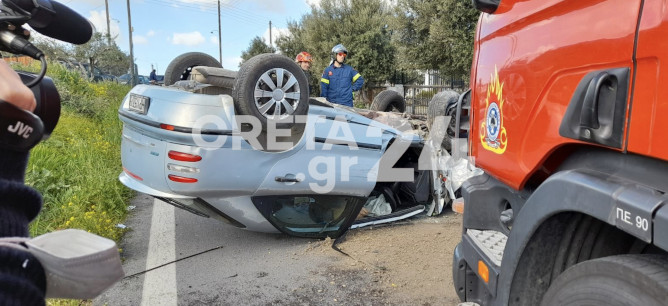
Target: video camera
{"type": "Point", "coordinates": [21, 130]}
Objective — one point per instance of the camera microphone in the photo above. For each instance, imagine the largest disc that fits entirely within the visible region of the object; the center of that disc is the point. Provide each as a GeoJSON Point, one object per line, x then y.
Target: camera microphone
{"type": "Point", "coordinates": [19, 45]}
{"type": "Point", "coordinates": [56, 20]}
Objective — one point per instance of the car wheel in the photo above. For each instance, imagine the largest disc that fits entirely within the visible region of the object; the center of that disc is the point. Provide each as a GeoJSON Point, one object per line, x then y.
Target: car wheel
{"type": "Point", "coordinates": [614, 280]}
{"type": "Point", "coordinates": [271, 87]}
{"type": "Point", "coordinates": [438, 106]}
{"type": "Point", "coordinates": [388, 100]}
{"type": "Point", "coordinates": [180, 68]}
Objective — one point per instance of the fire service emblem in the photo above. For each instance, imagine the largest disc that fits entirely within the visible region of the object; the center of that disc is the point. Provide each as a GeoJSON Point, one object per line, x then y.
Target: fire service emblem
{"type": "Point", "coordinates": [492, 132]}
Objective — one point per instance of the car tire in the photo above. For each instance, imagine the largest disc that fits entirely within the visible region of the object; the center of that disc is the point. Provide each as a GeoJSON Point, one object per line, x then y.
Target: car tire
{"type": "Point", "coordinates": [267, 77]}
{"type": "Point", "coordinates": [438, 106]}
{"type": "Point", "coordinates": [180, 67]}
{"type": "Point", "coordinates": [609, 281]}
{"type": "Point", "coordinates": [388, 100]}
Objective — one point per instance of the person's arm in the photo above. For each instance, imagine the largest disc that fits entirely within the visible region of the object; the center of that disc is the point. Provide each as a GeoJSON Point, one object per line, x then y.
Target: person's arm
{"type": "Point", "coordinates": [324, 84]}
{"type": "Point", "coordinates": [13, 90]}
{"type": "Point", "coordinates": [22, 278]}
{"type": "Point", "coordinates": [358, 80]}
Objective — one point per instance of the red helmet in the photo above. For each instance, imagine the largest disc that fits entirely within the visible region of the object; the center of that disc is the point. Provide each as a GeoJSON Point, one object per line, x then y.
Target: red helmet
{"type": "Point", "coordinates": [303, 57]}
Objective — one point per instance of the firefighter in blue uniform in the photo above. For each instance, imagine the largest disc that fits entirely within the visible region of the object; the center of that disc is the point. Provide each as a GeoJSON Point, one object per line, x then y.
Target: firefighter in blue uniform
{"type": "Point", "coordinates": [340, 80]}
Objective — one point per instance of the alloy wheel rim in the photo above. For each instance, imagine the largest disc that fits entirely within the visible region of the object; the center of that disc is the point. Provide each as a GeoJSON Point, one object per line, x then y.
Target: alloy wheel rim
{"type": "Point", "coordinates": [277, 94]}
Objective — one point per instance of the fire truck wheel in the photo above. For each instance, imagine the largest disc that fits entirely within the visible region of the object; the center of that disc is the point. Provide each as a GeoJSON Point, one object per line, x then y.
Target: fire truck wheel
{"type": "Point", "coordinates": [615, 280]}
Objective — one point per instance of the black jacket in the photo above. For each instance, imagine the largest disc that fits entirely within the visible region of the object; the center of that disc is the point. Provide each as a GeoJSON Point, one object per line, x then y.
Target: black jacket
{"type": "Point", "coordinates": [22, 279]}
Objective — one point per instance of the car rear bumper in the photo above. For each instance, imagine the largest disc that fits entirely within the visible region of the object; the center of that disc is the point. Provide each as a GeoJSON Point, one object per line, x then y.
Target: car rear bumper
{"type": "Point", "coordinates": [135, 184]}
{"type": "Point", "coordinates": [236, 211]}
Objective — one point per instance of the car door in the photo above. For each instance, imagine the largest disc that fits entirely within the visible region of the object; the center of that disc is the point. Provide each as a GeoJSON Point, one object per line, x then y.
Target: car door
{"type": "Point", "coordinates": [647, 129]}
{"type": "Point", "coordinates": [332, 172]}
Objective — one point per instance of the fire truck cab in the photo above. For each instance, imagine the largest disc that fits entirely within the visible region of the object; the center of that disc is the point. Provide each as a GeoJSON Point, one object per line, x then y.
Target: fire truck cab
{"type": "Point", "coordinates": [565, 121]}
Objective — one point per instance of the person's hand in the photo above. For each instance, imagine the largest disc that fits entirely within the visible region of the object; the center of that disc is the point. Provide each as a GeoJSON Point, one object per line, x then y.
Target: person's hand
{"type": "Point", "coordinates": [12, 89]}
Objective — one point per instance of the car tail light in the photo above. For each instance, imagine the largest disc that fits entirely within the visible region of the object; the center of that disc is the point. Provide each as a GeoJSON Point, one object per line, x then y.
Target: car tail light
{"type": "Point", "coordinates": [166, 127]}
{"type": "Point", "coordinates": [181, 179]}
{"type": "Point", "coordinates": [136, 177]}
{"type": "Point", "coordinates": [183, 169]}
{"type": "Point", "coordinates": [180, 156]}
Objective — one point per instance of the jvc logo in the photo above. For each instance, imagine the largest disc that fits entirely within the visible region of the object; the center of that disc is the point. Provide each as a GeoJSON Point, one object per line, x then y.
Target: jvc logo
{"type": "Point", "coordinates": [20, 129]}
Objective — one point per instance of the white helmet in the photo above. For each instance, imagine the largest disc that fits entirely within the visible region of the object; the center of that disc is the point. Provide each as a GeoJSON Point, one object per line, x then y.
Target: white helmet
{"type": "Point", "coordinates": [339, 49]}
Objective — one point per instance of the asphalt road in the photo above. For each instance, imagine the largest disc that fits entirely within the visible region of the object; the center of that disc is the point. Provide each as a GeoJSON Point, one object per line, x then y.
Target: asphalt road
{"type": "Point", "coordinates": [172, 257]}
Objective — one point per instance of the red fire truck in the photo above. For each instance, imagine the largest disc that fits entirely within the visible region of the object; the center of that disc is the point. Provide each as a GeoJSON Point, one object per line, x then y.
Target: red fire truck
{"type": "Point", "coordinates": [566, 106]}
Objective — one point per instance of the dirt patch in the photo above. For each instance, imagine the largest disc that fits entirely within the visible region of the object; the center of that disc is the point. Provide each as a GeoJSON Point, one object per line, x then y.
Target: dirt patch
{"type": "Point", "coordinates": [409, 263]}
{"type": "Point", "coordinates": [322, 246]}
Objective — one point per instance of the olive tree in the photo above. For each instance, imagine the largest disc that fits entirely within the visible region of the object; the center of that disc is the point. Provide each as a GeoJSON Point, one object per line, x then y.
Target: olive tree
{"type": "Point", "coordinates": [361, 26]}
{"type": "Point", "coordinates": [435, 35]}
{"type": "Point", "coordinates": [257, 46]}
{"type": "Point", "coordinates": [96, 53]}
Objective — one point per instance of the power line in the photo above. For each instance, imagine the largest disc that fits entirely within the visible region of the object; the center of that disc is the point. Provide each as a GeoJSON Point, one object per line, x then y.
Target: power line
{"type": "Point", "coordinates": [211, 8]}
{"type": "Point", "coordinates": [198, 10]}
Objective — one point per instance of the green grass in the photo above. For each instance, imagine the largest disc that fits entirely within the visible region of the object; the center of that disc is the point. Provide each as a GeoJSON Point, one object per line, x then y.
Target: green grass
{"type": "Point", "coordinates": [76, 169]}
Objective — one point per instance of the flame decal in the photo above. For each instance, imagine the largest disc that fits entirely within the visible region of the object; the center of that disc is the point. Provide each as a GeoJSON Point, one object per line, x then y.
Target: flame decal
{"type": "Point", "coordinates": [492, 132]}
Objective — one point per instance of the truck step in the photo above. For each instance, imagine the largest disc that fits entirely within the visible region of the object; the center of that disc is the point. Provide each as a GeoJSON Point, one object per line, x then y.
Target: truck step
{"type": "Point", "coordinates": [492, 243]}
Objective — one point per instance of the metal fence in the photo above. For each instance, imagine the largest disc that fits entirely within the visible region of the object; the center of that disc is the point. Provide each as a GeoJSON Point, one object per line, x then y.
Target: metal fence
{"type": "Point", "coordinates": [417, 96]}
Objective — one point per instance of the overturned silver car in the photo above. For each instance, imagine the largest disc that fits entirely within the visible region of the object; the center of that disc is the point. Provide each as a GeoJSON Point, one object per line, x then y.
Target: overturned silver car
{"type": "Point", "coordinates": [252, 149]}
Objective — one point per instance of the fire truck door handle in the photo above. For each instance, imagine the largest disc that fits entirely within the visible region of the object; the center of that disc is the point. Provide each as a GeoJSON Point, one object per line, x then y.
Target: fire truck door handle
{"type": "Point", "coordinates": [602, 82]}
{"type": "Point", "coordinates": [597, 110]}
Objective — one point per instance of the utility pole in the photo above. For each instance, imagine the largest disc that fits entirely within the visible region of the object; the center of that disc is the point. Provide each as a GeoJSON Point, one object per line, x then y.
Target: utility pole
{"type": "Point", "coordinates": [270, 33]}
{"type": "Point", "coordinates": [106, 4]}
{"type": "Point", "coordinates": [133, 72]}
{"type": "Point", "coordinates": [220, 42]}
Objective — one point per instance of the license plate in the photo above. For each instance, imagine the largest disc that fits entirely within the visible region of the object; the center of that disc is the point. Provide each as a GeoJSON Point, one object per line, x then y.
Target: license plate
{"type": "Point", "coordinates": [139, 104]}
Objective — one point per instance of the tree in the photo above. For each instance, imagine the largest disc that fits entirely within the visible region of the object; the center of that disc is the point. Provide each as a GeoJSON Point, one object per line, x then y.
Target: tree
{"type": "Point", "coordinates": [361, 26]}
{"type": "Point", "coordinates": [99, 53]}
{"type": "Point", "coordinates": [435, 35]}
{"type": "Point", "coordinates": [96, 53]}
{"type": "Point", "coordinates": [291, 44]}
{"type": "Point", "coordinates": [257, 46]}
{"type": "Point", "coordinates": [53, 49]}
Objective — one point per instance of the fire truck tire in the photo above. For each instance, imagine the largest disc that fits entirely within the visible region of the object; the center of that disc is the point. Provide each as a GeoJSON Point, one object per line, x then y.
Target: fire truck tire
{"type": "Point", "coordinates": [609, 281]}
{"type": "Point", "coordinates": [438, 107]}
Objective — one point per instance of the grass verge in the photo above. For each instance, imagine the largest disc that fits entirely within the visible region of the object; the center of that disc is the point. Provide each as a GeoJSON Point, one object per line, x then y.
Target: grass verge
{"type": "Point", "coordinates": [76, 170]}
